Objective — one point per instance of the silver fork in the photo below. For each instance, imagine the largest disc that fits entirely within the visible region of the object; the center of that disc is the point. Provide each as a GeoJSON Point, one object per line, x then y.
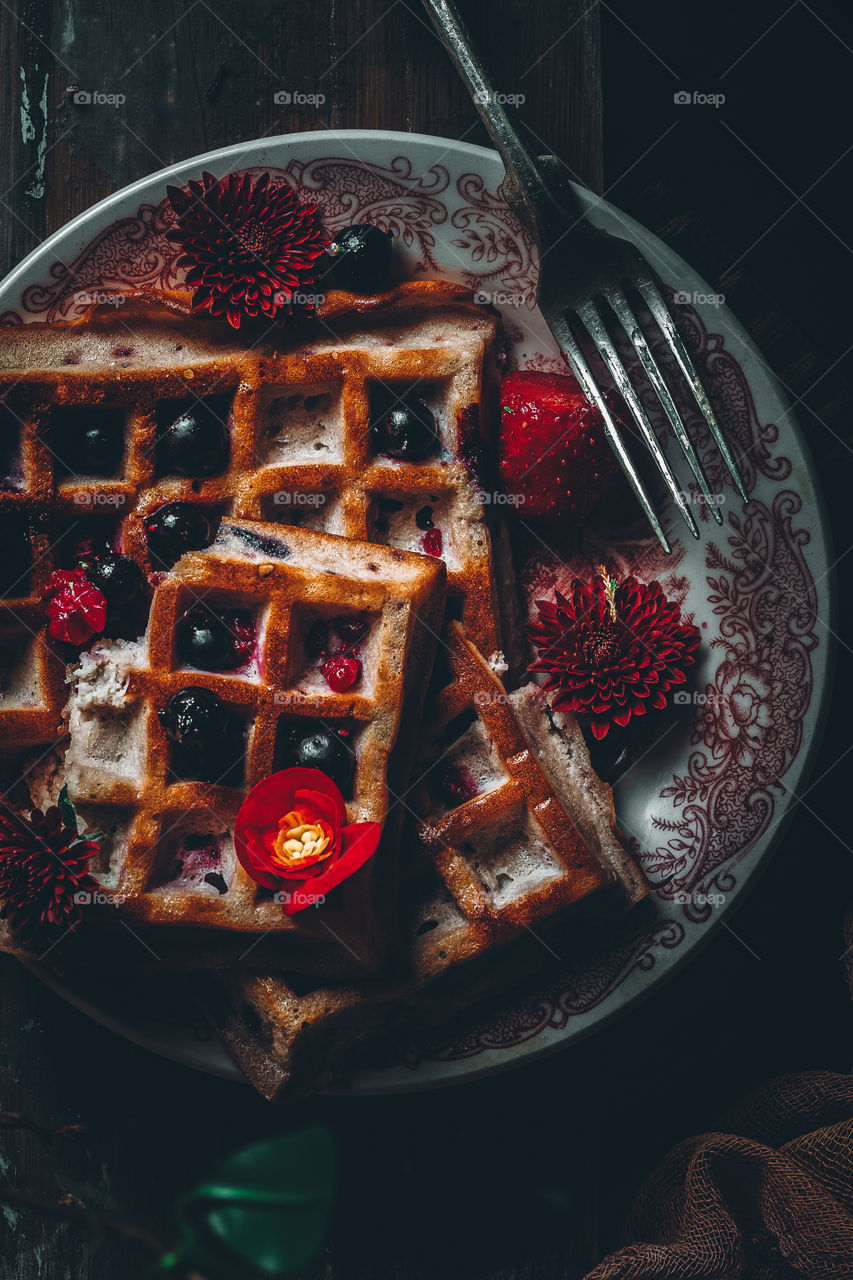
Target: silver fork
{"type": "Point", "coordinates": [585, 277]}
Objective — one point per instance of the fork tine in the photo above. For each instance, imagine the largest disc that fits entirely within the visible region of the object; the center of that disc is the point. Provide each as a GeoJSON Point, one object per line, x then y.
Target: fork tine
{"type": "Point", "coordinates": [561, 330]}
{"type": "Point", "coordinates": [589, 315]}
{"type": "Point", "coordinates": [660, 311]}
{"type": "Point", "coordinates": [625, 314]}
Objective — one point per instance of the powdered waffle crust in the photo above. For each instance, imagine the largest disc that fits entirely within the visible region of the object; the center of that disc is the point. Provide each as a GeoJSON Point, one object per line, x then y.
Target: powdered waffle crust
{"type": "Point", "coordinates": [297, 407]}
{"type": "Point", "coordinates": [499, 853]}
{"type": "Point", "coordinates": [170, 855]}
{"type": "Point", "coordinates": [489, 873]}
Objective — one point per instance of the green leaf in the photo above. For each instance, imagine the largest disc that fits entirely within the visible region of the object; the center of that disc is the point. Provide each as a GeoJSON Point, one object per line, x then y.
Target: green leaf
{"type": "Point", "coordinates": [263, 1213]}
{"type": "Point", "coordinates": [94, 836]}
{"type": "Point", "coordinates": [66, 808]}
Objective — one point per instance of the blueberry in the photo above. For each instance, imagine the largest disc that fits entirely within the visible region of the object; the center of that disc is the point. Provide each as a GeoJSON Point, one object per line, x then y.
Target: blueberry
{"type": "Point", "coordinates": [360, 258]}
{"type": "Point", "coordinates": [204, 641]}
{"type": "Point", "coordinates": [612, 755]}
{"type": "Point", "coordinates": [87, 441]}
{"type": "Point", "coordinates": [101, 446]}
{"type": "Point", "coordinates": [176, 528]}
{"type": "Point", "coordinates": [194, 717]}
{"type": "Point", "coordinates": [197, 442]}
{"type": "Point", "coordinates": [117, 576]}
{"type": "Point", "coordinates": [275, 548]}
{"type": "Point", "coordinates": [405, 430]}
{"type": "Point", "coordinates": [322, 748]}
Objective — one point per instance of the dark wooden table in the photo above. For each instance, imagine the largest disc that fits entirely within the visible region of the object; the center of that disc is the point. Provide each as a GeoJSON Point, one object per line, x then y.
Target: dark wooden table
{"type": "Point", "coordinates": [752, 195]}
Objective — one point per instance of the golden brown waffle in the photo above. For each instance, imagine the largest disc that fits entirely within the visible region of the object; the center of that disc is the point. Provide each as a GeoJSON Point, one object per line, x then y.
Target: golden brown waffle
{"type": "Point", "coordinates": [297, 405]}
{"type": "Point", "coordinates": [294, 1037]}
{"type": "Point", "coordinates": [170, 856]}
{"type": "Point", "coordinates": [501, 851]}
{"type": "Point", "coordinates": [537, 837]}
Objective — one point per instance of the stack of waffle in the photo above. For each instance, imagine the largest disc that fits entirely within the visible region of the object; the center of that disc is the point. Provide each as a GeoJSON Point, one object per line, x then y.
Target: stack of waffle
{"type": "Point", "coordinates": [494, 824]}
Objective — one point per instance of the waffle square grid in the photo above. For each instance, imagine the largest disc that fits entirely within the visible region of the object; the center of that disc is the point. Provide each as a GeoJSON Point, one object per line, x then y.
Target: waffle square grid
{"type": "Point", "coordinates": [482, 877]}
{"type": "Point", "coordinates": [300, 449]}
{"type": "Point", "coordinates": [120, 764]}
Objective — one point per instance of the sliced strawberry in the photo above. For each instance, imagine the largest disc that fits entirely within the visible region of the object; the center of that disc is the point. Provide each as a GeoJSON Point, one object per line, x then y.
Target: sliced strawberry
{"type": "Point", "coordinates": [554, 458]}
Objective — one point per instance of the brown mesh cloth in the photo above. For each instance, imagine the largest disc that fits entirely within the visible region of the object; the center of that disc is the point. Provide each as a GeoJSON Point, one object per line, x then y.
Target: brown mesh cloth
{"type": "Point", "coordinates": [769, 1199]}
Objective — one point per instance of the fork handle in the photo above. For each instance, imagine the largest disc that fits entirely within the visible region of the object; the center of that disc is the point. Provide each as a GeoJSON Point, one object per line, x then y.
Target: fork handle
{"type": "Point", "coordinates": [537, 201]}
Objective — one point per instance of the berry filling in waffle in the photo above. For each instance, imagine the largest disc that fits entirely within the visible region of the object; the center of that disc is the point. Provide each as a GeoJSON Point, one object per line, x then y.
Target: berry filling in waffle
{"type": "Point", "coordinates": [264, 682]}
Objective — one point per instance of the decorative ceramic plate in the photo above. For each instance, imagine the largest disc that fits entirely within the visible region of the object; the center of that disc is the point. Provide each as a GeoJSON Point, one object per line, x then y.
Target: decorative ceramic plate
{"type": "Point", "coordinates": [705, 804]}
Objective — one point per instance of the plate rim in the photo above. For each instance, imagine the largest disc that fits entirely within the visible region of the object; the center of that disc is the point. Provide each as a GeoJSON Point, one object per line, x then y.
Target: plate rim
{"type": "Point", "coordinates": [445, 1073]}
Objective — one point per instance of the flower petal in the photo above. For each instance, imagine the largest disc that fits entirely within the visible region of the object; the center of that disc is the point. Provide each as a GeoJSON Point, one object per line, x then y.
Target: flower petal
{"type": "Point", "coordinates": [358, 844]}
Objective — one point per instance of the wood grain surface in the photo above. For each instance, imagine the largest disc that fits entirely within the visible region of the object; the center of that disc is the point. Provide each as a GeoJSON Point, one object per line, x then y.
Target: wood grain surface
{"type": "Point", "coordinates": [526, 1175]}
{"type": "Point", "coordinates": [201, 76]}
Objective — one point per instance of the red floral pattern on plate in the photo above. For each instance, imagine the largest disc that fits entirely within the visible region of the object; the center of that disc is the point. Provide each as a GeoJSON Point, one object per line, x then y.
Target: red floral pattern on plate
{"type": "Point", "coordinates": [746, 720]}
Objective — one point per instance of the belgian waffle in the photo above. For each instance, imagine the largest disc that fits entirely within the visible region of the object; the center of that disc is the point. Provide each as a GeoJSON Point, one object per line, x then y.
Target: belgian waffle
{"type": "Point", "coordinates": [536, 836]}
{"type": "Point", "coordinates": [501, 850]}
{"type": "Point", "coordinates": [297, 407]}
{"type": "Point", "coordinates": [169, 854]}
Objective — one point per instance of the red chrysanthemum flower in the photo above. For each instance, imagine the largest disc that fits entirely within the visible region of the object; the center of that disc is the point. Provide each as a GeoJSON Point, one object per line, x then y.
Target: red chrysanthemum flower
{"type": "Point", "coordinates": [76, 609]}
{"type": "Point", "coordinates": [44, 871]}
{"type": "Point", "coordinates": [612, 650]}
{"type": "Point", "coordinates": [250, 247]}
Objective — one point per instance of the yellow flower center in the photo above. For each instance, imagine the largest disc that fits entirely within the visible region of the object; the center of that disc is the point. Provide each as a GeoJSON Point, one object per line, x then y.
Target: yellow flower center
{"type": "Point", "coordinates": [299, 842]}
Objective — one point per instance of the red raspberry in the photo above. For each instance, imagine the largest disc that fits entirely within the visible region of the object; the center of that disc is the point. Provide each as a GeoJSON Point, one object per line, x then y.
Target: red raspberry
{"type": "Point", "coordinates": [432, 542]}
{"type": "Point", "coordinates": [456, 784]}
{"type": "Point", "coordinates": [76, 609]}
{"type": "Point", "coordinates": [341, 673]}
{"type": "Point", "coordinates": [242, 628]}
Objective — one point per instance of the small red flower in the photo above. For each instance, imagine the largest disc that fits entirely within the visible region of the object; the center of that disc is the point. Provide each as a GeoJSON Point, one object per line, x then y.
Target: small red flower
{"type": "Point", "coordinates": [44, 871]}
{"type": "Point", "coordinates": [291, 836]}
{"type": "Point", "coordinates": [76, 609]}
{"type": "Point", "coordinates": [612, 650]}
{"type": "Point", "coordinates": [250, 247]}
